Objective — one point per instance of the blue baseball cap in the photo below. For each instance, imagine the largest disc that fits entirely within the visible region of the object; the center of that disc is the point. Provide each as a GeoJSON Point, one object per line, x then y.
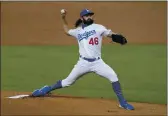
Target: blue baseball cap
{"type": "Point", "coordinates": [86, 12]}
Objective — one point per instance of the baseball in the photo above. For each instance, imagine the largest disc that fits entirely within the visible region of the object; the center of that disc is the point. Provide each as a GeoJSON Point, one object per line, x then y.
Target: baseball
{"type": "Point", "coordinates": [63, 11]}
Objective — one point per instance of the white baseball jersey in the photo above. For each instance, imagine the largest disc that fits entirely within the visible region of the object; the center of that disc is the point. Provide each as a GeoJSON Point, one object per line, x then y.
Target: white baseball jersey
{"type": "Point", "coordinates": [90, 39]}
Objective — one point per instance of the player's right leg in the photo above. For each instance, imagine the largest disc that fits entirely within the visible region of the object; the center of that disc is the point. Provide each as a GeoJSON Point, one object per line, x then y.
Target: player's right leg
{"type": "Point", "coordinates": [102, 69]}
{"type": "Point", "coordinates": [79, 69]}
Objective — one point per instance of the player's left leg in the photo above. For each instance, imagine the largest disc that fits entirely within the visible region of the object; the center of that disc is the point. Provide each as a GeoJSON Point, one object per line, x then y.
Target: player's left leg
{"type": "Point", "coordinates": [106, 71]}
{"type": "Point", "coordinates": [80, 69]}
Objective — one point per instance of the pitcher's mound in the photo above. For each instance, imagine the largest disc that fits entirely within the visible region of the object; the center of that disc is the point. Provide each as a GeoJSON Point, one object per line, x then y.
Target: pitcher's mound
{"type": "Point", "coordinates": [67, 105]}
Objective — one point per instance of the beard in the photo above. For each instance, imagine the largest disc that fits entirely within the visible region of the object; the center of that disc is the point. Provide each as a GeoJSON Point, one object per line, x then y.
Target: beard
{"type": "Point", "coordinates": [88, 21]}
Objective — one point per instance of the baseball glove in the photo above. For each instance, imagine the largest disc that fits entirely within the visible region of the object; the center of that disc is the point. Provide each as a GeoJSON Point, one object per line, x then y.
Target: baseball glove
{"type": "Point", "coordinates": [118, 38]}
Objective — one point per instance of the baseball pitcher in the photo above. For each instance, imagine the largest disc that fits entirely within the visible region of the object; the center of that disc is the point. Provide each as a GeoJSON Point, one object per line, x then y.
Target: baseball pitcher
{"type": "Point", "coordinates": [89, 37]}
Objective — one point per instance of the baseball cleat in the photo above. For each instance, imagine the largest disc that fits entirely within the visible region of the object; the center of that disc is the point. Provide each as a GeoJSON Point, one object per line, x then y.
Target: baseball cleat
{"type": "Point", "coordinates": [41, 92]}
{"type": "Point", "coordinates": [36, 93]}
{"type": "Point", "coordinates": [45, 90]}
{"type": "Point", "coordinates": [126, 106]}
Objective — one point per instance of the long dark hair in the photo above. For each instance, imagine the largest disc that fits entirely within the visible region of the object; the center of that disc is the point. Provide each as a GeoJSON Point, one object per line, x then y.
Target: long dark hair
{"type": "Point", "coordinates": [78, 22]}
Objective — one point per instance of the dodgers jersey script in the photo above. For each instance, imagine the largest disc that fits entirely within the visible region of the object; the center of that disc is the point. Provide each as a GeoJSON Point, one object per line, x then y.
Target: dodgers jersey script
{"type": "Point", "coordinates": [90, 39]}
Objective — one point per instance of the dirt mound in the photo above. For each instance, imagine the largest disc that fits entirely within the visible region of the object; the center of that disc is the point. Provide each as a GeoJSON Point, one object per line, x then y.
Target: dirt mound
{"type": "Point", "coordinates": [67, 105]}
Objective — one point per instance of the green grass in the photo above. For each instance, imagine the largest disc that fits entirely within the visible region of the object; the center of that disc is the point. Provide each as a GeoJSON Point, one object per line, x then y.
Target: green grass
{"type": "Point", "coordinates": [141, 70]}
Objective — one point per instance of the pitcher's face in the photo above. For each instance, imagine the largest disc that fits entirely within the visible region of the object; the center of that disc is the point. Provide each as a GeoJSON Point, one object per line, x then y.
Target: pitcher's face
{"type": "Point", "coordinates": [87, 19]}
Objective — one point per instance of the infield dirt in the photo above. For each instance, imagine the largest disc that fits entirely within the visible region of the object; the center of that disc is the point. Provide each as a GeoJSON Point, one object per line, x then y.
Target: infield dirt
{"type": "Point", "coordinates": [69, 105]}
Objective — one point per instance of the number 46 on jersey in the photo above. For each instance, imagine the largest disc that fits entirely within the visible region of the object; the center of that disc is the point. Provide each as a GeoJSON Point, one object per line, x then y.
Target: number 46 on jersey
{"type": "Point", "coordinates": [94, 41]}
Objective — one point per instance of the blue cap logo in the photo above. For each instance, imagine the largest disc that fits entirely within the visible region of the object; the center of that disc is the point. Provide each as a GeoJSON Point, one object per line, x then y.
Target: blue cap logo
{"type": "Point", "coordinates": [86, 12]}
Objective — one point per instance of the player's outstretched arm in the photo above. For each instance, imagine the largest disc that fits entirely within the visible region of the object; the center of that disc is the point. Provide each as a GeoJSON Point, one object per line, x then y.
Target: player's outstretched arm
{"type": "Point", "coordinates": [110, 34]}
{"type": "Point", "coordinates": [118, 38]}
{"type": "Point", "coordinates": [65, 23]}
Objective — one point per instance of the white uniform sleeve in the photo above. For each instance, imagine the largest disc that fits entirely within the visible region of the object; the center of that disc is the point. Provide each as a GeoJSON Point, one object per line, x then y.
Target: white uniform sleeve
{"type": "Point", "coordinates": [72, 32]}
{"type": "Point", "coordinates": [105, 32]}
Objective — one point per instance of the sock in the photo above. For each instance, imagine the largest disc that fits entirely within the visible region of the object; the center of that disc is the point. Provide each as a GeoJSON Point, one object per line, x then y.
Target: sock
{"type": "Point", "coordinates": [57, 85]}
{"type": "Point", "coordinates": [117, 89]}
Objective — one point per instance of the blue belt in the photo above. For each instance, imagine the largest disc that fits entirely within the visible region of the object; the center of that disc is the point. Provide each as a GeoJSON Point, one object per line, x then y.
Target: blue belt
{"type": "Point", "coordinates": [89, 59]}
